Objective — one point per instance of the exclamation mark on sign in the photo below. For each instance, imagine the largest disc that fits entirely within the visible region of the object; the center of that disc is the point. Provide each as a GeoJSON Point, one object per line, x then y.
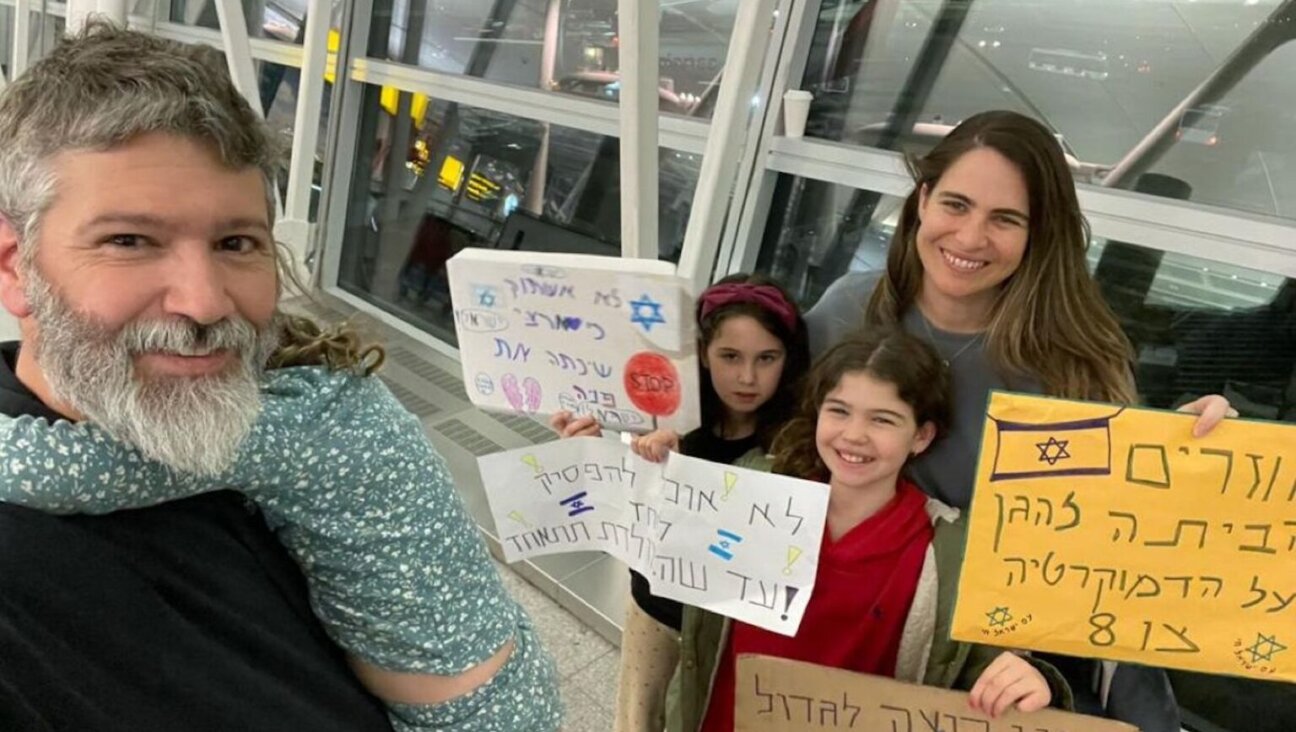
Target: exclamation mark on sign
{"type": "Point", "coordinates": [731, 480]}
{"type": "Point", "coordinates": [794, 553]}
{"type": "Point", "coordinates": [534, 462]}
{"type": "Point", "coordinates": [787, 599]}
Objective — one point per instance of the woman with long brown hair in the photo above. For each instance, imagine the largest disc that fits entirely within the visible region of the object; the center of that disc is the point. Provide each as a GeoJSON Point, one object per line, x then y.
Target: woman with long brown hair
{"type": "Point", "coordinates": [988, 265]}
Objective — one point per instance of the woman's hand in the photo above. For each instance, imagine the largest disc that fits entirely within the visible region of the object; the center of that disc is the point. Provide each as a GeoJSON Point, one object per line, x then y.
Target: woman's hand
{"type": "Point", "coordinates": [655, 446]}
{"type": "Point", "coordinates": [568, 426]}
{"type": "Point", "coordinates": [1210, 411]}
{"type": "Point", "coordinates": [1009, 680]}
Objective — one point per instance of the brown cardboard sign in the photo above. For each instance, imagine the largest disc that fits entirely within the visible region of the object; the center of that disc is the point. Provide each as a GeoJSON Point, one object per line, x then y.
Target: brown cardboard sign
{"type": "Point", "coordinates": [778, 695]}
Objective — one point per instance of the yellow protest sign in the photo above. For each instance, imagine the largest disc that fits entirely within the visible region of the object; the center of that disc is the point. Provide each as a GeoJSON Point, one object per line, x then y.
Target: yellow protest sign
{"type": "Point", "coordinates": [1112, 533]}
{"type": "Point", "coordinates": [780, 695]}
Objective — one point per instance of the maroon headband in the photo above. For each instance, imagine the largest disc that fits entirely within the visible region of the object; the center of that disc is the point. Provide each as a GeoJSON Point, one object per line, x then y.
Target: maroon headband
{"type": "Point", "coordinates": [766, 297]}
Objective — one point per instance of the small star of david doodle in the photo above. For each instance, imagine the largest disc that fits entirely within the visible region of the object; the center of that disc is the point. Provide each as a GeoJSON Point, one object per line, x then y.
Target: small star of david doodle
{"type": "Point", "coordinates": [647, 313]}
{"type": "Point", "coordinates": [999, 616]}
{"type": "Point", "coordinates": [485, 297]}
{"type": "Point", "coordinates": [1265, 647]}
{"type": "Point", "coordinates": [1050, 455]}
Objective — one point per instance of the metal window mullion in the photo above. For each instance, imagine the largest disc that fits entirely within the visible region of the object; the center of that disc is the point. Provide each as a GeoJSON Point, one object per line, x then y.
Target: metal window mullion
{"type": "Point", "coordinates": [749, 210]}
{"type": "Point", "coordinates": [835, 162]}
{"type": "Point", "coordinates": [537, 181]}
{"type": "Point", "coordinates": [1193, 229]}
{"type": "Point", "coordinates": [21, 38]}
{"type": "Point", "coordinates": [310, 102]}
{"type": "Point", "coordinates": [78, 12]}
{"type": "Point", "coordinates": [677, 133]}
{"type": "Point", "coordinates": [238, 52]}
{"type": "Point", "coordinates": [683, 134]}
{"type": "Point", "coordinates": [193, 10]}
{"type": "Point", "coordinates": [638, 30]}
{"type": "Point", "coordinates": [114, 10]}
{"type": "Point", "coordinates": [277, 52]}
{"type": "Point", "coordinates": [729, 126]}
{"type": "Point", "coordinates": [342, 142]}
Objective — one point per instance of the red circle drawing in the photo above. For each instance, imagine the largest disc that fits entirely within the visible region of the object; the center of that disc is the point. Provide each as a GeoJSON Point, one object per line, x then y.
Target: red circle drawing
{"type": "Point", "coordinates": [652, 383]}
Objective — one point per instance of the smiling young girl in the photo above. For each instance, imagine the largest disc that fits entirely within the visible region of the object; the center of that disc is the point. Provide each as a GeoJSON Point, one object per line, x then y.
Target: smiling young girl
{"type": "Point", "coordinates": [890, 557]}
{"type": "Point", "coordinates": [753, 346]}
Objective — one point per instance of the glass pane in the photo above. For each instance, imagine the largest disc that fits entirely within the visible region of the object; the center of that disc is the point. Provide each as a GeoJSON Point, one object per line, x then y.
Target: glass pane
{"type": "Point", "coordinates": [44, 32]}
{"type": "Point", "coordinates": [6, 39]}
{"type": "Point", "coordinates": [1203, 327]}
{"type": "Point", "coordinates": [433, 177]}
{"type": "Point", "coordinates": [278, 88]}
{"type": "Point", "coordinates": [568, 46]}
{"type": "Point", "coordinates": [819, 231]}
{"type": "Point", "coordinates": [276, 20]}
{"type": "Point", "coordinates": [1198, 327]}
{"type": "Point", "coordinates": [1107, 75]}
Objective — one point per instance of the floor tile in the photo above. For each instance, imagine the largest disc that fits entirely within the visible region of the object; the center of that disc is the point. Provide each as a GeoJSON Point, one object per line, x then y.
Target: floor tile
{"type": "Point", "coordinates": [584, 714]}
{"type": "Point", "coordinates": [599, 679]}
{"type": "Point", "coordinates": [573, 644]}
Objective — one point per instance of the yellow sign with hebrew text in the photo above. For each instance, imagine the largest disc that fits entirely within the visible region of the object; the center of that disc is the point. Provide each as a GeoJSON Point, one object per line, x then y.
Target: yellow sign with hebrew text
{"type": "Point", "coordinates": [1108, 532]}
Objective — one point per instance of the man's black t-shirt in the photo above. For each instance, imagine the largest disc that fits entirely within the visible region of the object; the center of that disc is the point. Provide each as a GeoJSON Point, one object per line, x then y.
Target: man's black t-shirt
{"type": "Point", "coordinates": [185, 616]}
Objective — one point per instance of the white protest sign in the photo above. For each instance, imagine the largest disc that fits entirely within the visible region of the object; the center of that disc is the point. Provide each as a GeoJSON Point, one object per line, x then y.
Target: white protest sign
{"type": "Point", "coordinates": [742, 543]}
{"type": "Point", "coordinates": [541, 332]}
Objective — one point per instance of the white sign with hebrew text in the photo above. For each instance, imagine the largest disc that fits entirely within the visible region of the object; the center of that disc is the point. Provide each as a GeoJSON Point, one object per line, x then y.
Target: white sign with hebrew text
{"type": "Point", "coordinates": [607, 337]}
{"type": "Point", "coordinates": [739, 542]}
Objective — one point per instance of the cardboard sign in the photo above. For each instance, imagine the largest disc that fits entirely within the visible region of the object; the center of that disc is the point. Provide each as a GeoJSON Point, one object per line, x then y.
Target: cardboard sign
{"type": "Point", "coordinates": [541, 333]}
{"type": "Point", "coordinates": [1112, 533]}
{"type": "Point", "coordinates": [778, 695]}
{"type": "Point", "coordinates": [742, 543]}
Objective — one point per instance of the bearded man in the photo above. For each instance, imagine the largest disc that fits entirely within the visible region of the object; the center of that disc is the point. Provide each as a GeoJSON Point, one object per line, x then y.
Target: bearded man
{"type": "Point", "coordinates": [136, 251]}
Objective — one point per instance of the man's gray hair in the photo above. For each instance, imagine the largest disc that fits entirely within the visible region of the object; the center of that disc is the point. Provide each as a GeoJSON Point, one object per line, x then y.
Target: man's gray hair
{"type": "Point", "coordinates": [105, 86]}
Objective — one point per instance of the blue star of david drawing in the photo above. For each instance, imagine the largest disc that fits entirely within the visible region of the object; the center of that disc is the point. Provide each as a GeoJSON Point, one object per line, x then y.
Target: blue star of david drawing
{"type": "Point", "coordinates": [1050, 455]}
{"type": "Point", "coordinates": [646, 312]}
{"type": "Point", "coordinates": [999, 616]}
{"type": "Point", "coordinates": [1262, 640]}
{"type": "Point", "coordinates": [485, 297]}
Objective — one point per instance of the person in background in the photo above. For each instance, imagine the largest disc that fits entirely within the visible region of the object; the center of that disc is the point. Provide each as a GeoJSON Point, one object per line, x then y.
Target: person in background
{"type": "Point", "coordinates": [753, 349]}
{"type": "Point", "coordinates": [988, 265]}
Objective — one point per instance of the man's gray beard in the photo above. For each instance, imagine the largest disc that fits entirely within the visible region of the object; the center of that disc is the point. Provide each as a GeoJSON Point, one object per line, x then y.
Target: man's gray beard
{"type": "Point", "coordinates": [193, 424]}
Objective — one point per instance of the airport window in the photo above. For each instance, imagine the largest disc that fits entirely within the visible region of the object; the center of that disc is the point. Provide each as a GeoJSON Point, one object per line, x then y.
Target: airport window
{"type": "Point", "coordinates": [44, 28]}
{"type": "Point", "coordinates": [434, 177]}
{"type": "Point", "coordinates": [567, 46]}
{"type": "Point", "coordinates": [6, 38]}
{"type": "Point", "coordinates": [1199, 95]}
{"type": "Point", "coordinates": [277, 87]}
{"type": "Point", "coordinates": [275, 20]}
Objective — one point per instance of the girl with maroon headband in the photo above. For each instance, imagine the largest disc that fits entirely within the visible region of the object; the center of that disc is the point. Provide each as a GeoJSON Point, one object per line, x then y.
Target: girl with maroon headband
{"type": "Point", "coordinates": [754, 350]}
